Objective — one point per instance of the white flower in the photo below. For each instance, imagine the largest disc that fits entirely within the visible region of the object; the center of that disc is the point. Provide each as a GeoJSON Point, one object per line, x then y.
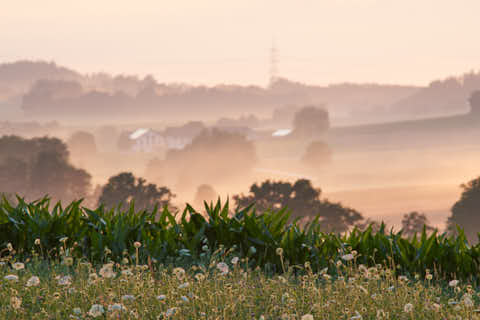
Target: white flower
{"type": "Point", "coordinates": [107, 271]}
{"type": "Point", "coordinates": [307, 317]}
{"type": "Point", "coordinates": [63, 240]}
{"type": "Point", "coordinates": [127, 272]}
{"type": "Point", "coordinates": [200, 276]}
{"type": "Point", "coordinates": [18, 266]}
{"type": "Point", "coordinates": [96, 310]}
{"type": "Point", "coordinates": [77, 311]}
{"type": "Point", "coordinates": [11, 277]}
{"type": "Point", "coordinates": [65, 281]}
{"type": "Point", "coordinates": [128, 297]}
{"type": "Point", "coordinates": [348, 257]}
{"type": "Point", "coordinates": [185, 299]}
{"type": "Point", "coordinates": [408, 308]}
{"type": "Point", "coordinates": [468, 302]}
{"type": "Point", "coordinates": [37, 242]}
{"type": "Point", "coordinates": [453, 283]}
{"type": "Point", "coordinates": [429, 276]}
{"type": "Point", "coordinates": [279, 251]}
{"type": "Point", "coordinates": [137, 244]}
{"type": "Point", "coordinates": [205, 247]}
{"type": "Point", "coordinates": [252, 250]}
{"type": "Point", "coordinates": [357, 316]}
{"type": "Point", "coordinates": [223, 267]}
{"type": "Point", "coordinates": [170, 312]}
{"type": "Point", "coordinates": [15, 302]}
{"type": "Point", "coordinates": [234, 260]}
{"type": "Point", "coordinates": [161, 297]}
{"type": "Point", "coordinates": [183, 285]}
{"type": "Point", "coordinates": [33, 281]}
{"type": "Point", "coordinates": [116, 307]}
{"type": "Point", "coordinates": [179, 273]}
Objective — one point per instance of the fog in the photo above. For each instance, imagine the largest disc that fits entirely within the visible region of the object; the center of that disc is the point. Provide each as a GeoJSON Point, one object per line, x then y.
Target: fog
{"type": "Point", "coordinates": [383, 150]}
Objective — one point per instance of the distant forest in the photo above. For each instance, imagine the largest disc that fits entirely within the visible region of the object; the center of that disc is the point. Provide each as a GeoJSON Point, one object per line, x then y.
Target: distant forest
{"type": "Point", "coordinates": [45, 91]}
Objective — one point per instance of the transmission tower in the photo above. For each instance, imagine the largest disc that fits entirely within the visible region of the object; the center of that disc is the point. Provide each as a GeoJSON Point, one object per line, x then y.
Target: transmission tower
{"type": "Point", "coordinates": [273, 63]}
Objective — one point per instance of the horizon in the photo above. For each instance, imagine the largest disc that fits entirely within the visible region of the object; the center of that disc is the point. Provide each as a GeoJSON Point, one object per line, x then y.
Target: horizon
{"type": "Point", "coordinates": [324, 43]}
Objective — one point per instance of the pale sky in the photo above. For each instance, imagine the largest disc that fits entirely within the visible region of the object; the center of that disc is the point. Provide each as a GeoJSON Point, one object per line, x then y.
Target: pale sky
{"type": "Point", "coordinates": [224, 41]}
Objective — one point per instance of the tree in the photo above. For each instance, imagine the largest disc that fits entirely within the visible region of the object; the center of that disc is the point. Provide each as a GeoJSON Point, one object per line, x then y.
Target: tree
{"type": "Point", "coordinates": [206, 193]}
{"type": "Point", "coordinates": [214, 156]}
{"type": "Point", "coordinates": [37, 167]}
{"type": "Point", "coordinates": [304, 202]}
{"type": "Point", "coordinates": [414, 222]}
{"type": "Point", "coordinates": [310, 121]}
{"type": "Point", "coordinates": [465, 212]}
{"type": "Point", "coordinates": [125, 187]}
{"type": "Point", "coordinates": [474, 101]}
{"type": "Point", "coordinates": [82, 144]}
{"type": "Point", "coordinates": [317, 154]}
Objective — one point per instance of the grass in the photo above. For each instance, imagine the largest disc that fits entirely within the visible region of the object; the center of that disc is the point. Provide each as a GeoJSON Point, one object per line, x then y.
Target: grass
{"type": "Point", "coordinates": [224, 288]}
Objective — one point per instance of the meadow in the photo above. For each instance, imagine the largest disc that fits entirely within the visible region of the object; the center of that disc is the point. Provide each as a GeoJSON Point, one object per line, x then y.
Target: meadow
{"type": "Point", "coordinates": [78, 263]}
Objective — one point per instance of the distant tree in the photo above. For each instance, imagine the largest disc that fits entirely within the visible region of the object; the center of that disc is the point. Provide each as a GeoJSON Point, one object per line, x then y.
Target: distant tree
{"type": "Point", "coordinates": [52, 176]}
{"type": "Point", "coordinates": [310, 121]}
{"type": "Point", "coordinates": [413, 223]}
{"type": "Point", "coordinates": [37, 167]}
{"type": "Point", "coordinates": [125, 187]}
{"type": "Point", "coordinates": [474, 101]}
{"type": "Point", "coordinates": [317, 154]}
{"type": "Point", "coordinates": [206, 193]}
{"type": "Point", "coordinates": [82, 143]}
{"type": "Point", "coordinates": [465, 212]}
{"type": "Point", "coordinates": [366, 223]}
{"type": "Point", "coordinates": [303, 200]}
{"type": "Point", "coordinates": [213, 156]}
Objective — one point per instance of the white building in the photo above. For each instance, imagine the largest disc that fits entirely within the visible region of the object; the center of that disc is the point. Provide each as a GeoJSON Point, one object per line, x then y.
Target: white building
{"type": "Point", "coordinates": [147, 140]}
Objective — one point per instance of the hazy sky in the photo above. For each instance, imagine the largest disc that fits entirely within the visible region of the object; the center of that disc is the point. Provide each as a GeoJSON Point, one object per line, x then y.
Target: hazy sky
{"type": "Point", "coordinates": [223, 41]}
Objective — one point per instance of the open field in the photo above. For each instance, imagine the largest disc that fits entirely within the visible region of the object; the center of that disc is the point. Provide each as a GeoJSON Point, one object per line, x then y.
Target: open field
{"type": "Point", "coordinates": [224, 289]}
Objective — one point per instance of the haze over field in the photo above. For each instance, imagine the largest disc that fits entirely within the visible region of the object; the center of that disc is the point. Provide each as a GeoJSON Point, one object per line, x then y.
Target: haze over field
{"type": "Point", "coordinates": [372, 101]}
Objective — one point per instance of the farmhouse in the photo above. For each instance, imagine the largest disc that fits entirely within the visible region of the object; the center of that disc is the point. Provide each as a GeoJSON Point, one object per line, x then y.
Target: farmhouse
{"type": "Point", "coordinates": [147, 140]}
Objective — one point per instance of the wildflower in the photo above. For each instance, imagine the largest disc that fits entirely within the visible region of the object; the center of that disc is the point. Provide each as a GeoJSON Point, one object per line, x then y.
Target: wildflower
{"type": "Point", "coordinates": [116, 307]}
{"type": "Point", "coordinates": [234, 260]}
{"type": "Point", "coordinates": [436, 307]}
{"type": "Point", "coordinates": [453, 283]}
{"type": "Point", "coordinates": [128, 297]}
{"type": "Point", "coordinates": [200, 276]}
{"type": "Point", "coordinates": [127, 272]}
{"type": "Point", "coordinates": [429, 277]}
{"type": "Point", "coordinates": [15, 302]}
{"type": "Point", "coordinates": [137, 244]}
{"type": "Point", "coordinates": [37, 242]}
{"type": "Point", "coordinates": [77, 311]}
{"type": "Point", "coordinates": [380, 314]}
{"type": "Point", "coordinates": [307, 317]}
{"type": "Point", "coordinates": [161, 297]}
{"type": "Point", "coordinates": [179, 273]}
{"type": "Point", "coordinates": [65, 281]}
{"type": "Point", "coordinates": [92, 277]}
{"type": "Point", "coordinates": [223, 267]}
{"type": "Point", "coordinates": [205, 247]}
{"type": "Point", "coordinates": [408, 308]}
{"type": "Point", "coordinates": [9, 247]}
{"type": "Point", "coordinates": [68, 261]}
{"type": "Point", "coordinates": [170, 312]}
{"type": "Point", "coordinates": [348, 257]}
{"type": "Point", "coordinates": [63, 240]}
{"type": "Point", "coordinates": [107, 271]}
{"type": "Point", "coordinates": [18, 266]}
{"type": "Point", "coordinates": [285, 296]}
{"type": "Point", "coordinates": [183, 285]}
{"type": "Point", "coordinates": [11, 277]}
{"type": "Point", "coordinates": [468, 302]}
{"type": "Point", "coordinates": [282, 279]}
{"type": "Point", "coordinates": [96, 310]}
{"type": "Point", "coordinates": [357, 316]}
{"type": "Point", "coordinates": [252, 250]}
{"type": "Point", "coordinates": [403, 278]}
{"type": "Point", "coordinates": [33, 281]}
{"type": "Point", "coordinates": [279, 251]}
{"type": "Point", "coordinates": [185, 299]}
